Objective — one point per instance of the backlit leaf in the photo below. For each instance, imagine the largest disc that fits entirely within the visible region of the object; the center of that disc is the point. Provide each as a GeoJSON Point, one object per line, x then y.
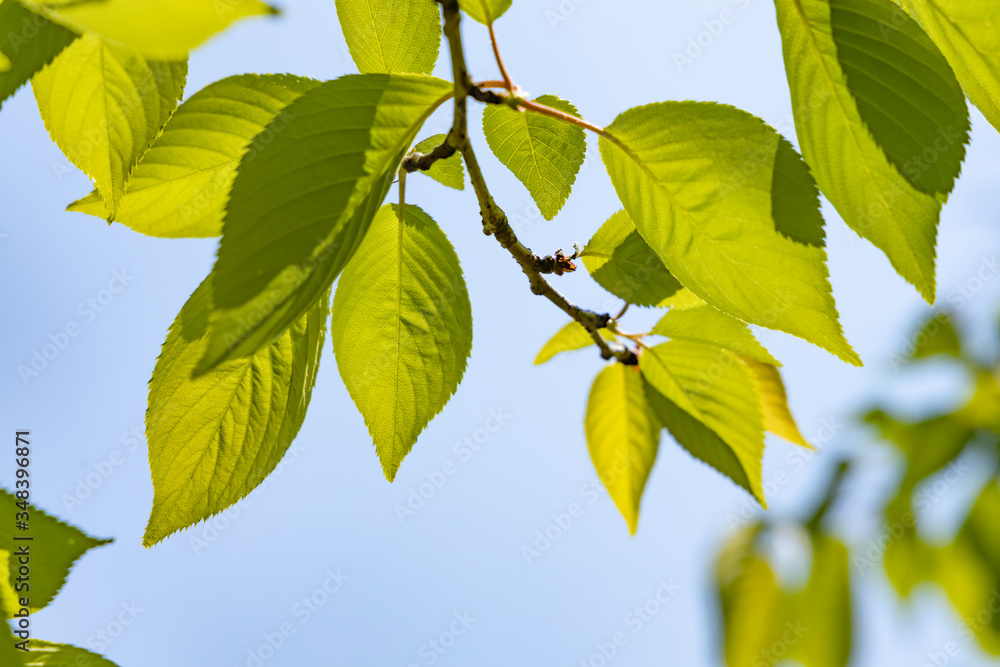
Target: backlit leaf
{"type": "Point", "coordinates": [622, 263]}
{"type": "Point", "coordinates": [402, 329]}
{"type": "Point", "coordinates": [449, 171]}
{"type": "Point", "coordinates": [485, 11]}
{"type": "Point", "coordinates": [299, 208]}
{"type": "Point", "coordinates": [777, 416]}
{"type": "Point", "coordinates": [104, 105]}
{"type": "Point", "coordinates": [28, 42]}
{"type": "Point", "coordinates": [544, 153]}
{"type": "Point", "coordinates": [710, 326]}
{"type": "Point", "coordinates": [622, 436]}
{"type": "Point", "coordinates": [571, 337]}
{"type": "Point", "coordinates": [731, 210]}
{"type": "Point", "coordinates": [386, 36]}
{"type": "Point", "coordinates": [213, 439]}
{"type": "Point", "coordinates": [181, 185]}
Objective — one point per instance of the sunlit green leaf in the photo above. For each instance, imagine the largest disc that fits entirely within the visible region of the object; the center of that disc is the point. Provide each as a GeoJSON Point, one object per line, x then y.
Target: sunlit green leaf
{"type": "Point", "coordinates": [544, 153]}
{"type": "Point", "coordinates": [104, 105]}
{"type": "Point", "coordinates": [881, 121]}
{"type": "Point", "coordinates": [817, 627]}
{"type": "Point", "coordinates": [387, 36]}
{"type": "Point", "coordinates": [28, 42]}
{"type": "Point", "coordinates": [448, 171]}
{"type": "Point", "coordinates": [213, 439]}
{"type": "Point", "coordinates": [47, 654]}
{"type": "Point", "coordinates": [731, 210]}
{"type": "Point", "coordinates": [710, 326]}
{"type": "Point", "coordinates": [181, 185]}
{"type": "Point", "coordinates": [299, 208]}
{"type": "Point", "coordinates": [485, 11]}
{"type": "Point", "coordinates": [571, 337]}
{"type": "Point", "coordinates": [54, 548]}
{"type": "Point", "coordinates": [160, 29]}
{"type": "Point", "coordinates": [966, 32]}
{"type": "Point", "coordinates": [707, 399]}
{"type": "Point", "coordinates": [402, 329]}
{"type": "Point", "coordinates": [622, 263]}
{"type": "Point", "coordinates": [777, 416]}
{"type": "Point", "coordinates": [622, 436]}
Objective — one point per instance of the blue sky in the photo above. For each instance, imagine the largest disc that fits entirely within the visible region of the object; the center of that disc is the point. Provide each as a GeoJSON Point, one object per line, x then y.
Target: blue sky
{"type": "Point", "coordinates": [319, 558]}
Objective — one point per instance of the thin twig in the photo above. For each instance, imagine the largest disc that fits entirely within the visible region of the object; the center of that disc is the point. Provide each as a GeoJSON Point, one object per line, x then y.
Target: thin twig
{"type": "Point", "coordinates": [508, 84]}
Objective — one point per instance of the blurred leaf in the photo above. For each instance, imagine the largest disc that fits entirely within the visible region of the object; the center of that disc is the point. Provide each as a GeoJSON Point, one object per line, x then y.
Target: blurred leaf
{"type": "Point", "coordinates": [622, 436]}
{"type": "Point", "coordinates": [181, 185]}
{"type": "Point", "coordinates": [937, 336]}
{"type": "Point", "coordinates": [731, 210]}
{"type": "Point", "coordinates": [214, 438]}
{"type": "Point", "coordinates": [54, 548]}
{"type": "Point", "coordinates": [544, 153]}
{"type": "Point", "coordinates": [928, 445]}
{"type": "Point", "coordinates": [818, 619]}
{"type": "Point", "coordinates": [622, 263]}
{"type": "Point", "coordinates": [47, 654]}
{"type": "Point", "coordinates": [712, 327]}
{"type": "Point", "coordinates": [387, 36]}
{"type": "Point", "coordinates": [402, 329]}
{"type": "Point", "coordinates": [29, 43]}
{"type": "Point", "coordinates": [571, 337]}
{"type": "Point", "coordinates": [709, 403]}
{"type": "Point", "coordinates": [449, 171]}
{"type": "Point", "coordinates": [161, 29]}
{"type": "Point", "coordinates": [104, 105]}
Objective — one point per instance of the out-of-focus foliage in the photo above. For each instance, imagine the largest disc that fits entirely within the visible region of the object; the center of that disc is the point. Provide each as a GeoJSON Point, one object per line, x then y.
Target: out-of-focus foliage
{"type": "Point", "coordinates": [766, 621]}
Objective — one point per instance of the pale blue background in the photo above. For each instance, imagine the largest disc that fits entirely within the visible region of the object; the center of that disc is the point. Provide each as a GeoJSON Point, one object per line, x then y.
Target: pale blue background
{"type": "Point", "coordinates": [331, 507]}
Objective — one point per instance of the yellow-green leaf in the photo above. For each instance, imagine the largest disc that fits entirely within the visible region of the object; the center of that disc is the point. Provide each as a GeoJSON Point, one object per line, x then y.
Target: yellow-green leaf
{"type": "Point", "coordinates": [622, 436]}
{"type": "Point", "coordinates": [386, 36]}
{"type": "Point", "coordinates": [485, 11]}
{"type": "Point", "coordinates": [28, 42]}
{"type": "Point", "coordinates": [104, 105]}
{"type": "Point", "coordinates": [160, 29]}
{"type": "Point", "coordinates": [571, 337]}
{"type": "Point", "coordinates": [778, 417]}
{"type": "Point", "coordinates": [402, 329]}
{"type": "Point", "coordinates": [712, 327]}
{"type": "Point", "coordinates": [449, 171]}
{"type": "Point", "coordinates": [214, 438]}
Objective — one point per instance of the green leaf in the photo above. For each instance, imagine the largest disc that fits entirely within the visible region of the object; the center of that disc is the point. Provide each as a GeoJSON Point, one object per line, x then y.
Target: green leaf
{"type": "Point", "coordinates": [485, 11]}
{"type": "Point", "coordinates": [938, 336]}
{"type": "Point", "coordinates": [731, 210]}
{"type": "Point", "coordinates": [969, 570]}
{"type": "Point", "coordinates": [449, 171]}
{"type": "Point", "coordinates": [47, 654]}
{"type": "Point", "coordinates": [707, 399]}
{"type": "Point", "coordinates": [402, 329]}
{"type": "Point", "coordinates": [622, 436]}
{"type": "Point", "coordinates": [213, 439]}
{"type": "Point", "coordinates": [9, 655]}
{"type": "Point", "coordinates": [181, 185]}
{"type": "Point", "coordinates": [104, 105]}
{"type": "Point", "coordinates": [544, 153]}
{"type": "Point", "coordinates": [622, 263]}
{"type": "Point", "coordinates": [777, 416]}
{"type": "Point", "coordinates": [28, 42]}
{"type": "Point", "coordinates": [750, 601]}
{"type": "Point", "coordinates": [54, 548]}
{"type": "Point", "coordinates": [966, 32]}
{"type": "Point", "coordinates": [818, 618]}
{"type": "Point", "coordinates": [571, 337]}
{"type": "Point", "coordinates": [387, 36]}
{"type": "Point", "coordinates": [928, 445]}
{"type": "Point", "coordinates": [881, 121]}
{"type": "Point", "coordinates": [299, 209]}
{"type": "Point", "coordinates": [708, 325]}
{"type": "Point", "coordinates": [159, 29]}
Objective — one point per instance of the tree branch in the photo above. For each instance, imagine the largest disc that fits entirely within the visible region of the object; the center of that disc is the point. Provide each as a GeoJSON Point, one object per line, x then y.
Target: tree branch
{"type": "Point", "coordinates": [495, 221]}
